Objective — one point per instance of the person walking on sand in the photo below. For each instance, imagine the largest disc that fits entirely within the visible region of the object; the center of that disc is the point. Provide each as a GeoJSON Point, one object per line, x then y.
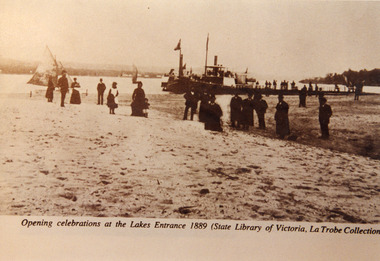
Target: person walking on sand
{"type": "Point", "coordinates": [261, 107]}
{"type": "Point", "coordinates": [75, 95]}
{"type": "Point", "coordinates": [101, 88]}
{"type": "Point", "coordinates": [281, 118]}
{"type": "Point", "coordinates": [138, 101]}
{"type": "Point", "coordinates": [235, 109]}
{"type": "Point", "coordinates": [190, 103]}
{"type": "Point", "coordinates": [325, 113]}
{"type": "Point", "coordinates": [112, 102]}
{"type": "Point", "coordinates": [213, 114]}
{"type": "Point", "coordinates": [63, 83]}
{"type": "Point", "coordinates": [50, 90]}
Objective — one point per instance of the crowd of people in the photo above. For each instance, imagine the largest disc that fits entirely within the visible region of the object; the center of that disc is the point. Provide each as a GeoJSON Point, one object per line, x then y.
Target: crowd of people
{"type": "Point", "coordinates": [242, 111]}
{"type": "Point", "coordinates": [140, 104]}
{"type": "Point", "coordinates": [210, 113]}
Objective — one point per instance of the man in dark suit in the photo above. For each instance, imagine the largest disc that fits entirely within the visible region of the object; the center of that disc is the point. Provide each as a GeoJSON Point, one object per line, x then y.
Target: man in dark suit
{"type": "Point", "coordinates": [101, 88]}
{"type": "Point", "coordinates": [261, 107]}
{"type": "Point", "coordinates": [191, 103]}
{"type": "Point", "coordinates": [235, 108]}
{"type": "Point", "coordinates": [325, 113]}
{"type": "Point", "coordinates": [63, 83]}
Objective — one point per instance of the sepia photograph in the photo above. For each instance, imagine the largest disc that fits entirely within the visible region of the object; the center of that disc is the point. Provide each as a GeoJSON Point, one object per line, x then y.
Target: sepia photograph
{"type": "Point", "coordinates": [191, 110]}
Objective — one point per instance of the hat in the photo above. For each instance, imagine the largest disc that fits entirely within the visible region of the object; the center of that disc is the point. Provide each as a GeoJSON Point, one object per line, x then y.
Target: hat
{"type": "Point", "coordinates": [64, 71]}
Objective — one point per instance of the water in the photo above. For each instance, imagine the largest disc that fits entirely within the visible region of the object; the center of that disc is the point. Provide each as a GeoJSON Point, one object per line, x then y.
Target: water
{"type": "Point", "coordinates": [17, 83]}
{"type": "Point", "coordinates": [325, 87]}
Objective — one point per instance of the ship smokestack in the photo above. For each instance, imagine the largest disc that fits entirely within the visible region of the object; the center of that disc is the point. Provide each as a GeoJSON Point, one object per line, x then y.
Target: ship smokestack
{"type": "Point", "coordinates": [215, 60]}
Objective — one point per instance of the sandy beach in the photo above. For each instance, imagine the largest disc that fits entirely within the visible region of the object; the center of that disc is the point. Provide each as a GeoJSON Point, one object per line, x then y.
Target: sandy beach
{"type": "Point", "coordinates": [81, 161]}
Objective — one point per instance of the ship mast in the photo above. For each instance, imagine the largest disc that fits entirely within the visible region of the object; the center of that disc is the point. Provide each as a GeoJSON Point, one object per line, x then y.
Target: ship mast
{"type": "Point", "coordinates": [178, 47]}
{"type": "Point", "coordinates": [206, 55]}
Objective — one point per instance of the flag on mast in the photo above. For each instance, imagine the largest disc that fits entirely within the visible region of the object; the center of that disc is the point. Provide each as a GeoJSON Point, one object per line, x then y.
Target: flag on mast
{"type": "Point", "coordinates": [178, 47]}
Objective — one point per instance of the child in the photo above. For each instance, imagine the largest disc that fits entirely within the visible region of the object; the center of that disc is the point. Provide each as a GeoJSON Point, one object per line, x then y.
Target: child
{"type": "Point", "coordinates": [146, 107]}
{"type": "Point", "coordinates": [112, 98]}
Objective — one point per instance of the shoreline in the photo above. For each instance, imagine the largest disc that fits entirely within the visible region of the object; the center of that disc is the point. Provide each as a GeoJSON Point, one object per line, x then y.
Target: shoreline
{"type": "Point", "coordinates": [81, 161]}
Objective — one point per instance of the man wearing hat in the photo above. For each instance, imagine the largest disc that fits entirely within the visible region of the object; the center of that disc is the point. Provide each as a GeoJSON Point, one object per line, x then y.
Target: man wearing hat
{"type": "Point", "coordinates": [325, 113]}
{"type": "Point", "coordinates": [63, 83]}
{"type": "Point", "coordinates": [101, 88]}
{"type": "Point", "coordinates": [261, 107]}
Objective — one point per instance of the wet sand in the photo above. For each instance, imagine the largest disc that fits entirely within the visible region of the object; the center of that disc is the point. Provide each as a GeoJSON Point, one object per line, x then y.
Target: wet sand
{"type": "Point", "coordinates": [81, 161]}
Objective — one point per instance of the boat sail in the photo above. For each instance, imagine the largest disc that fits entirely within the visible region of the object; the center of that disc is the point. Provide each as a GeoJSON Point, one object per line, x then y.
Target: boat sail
{"type": "Point", "coordinates": [47, 67]}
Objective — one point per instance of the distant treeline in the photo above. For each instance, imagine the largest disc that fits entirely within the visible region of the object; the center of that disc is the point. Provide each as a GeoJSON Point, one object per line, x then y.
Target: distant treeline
{"type": "Point", "coordinates": [370, 78]}
{"type": "Point", "coordinates": [18, 67]}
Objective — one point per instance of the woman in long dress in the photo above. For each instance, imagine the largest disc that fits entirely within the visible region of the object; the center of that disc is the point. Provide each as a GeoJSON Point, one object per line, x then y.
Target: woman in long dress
{"type": "Point", "coordinates": [50, 90]}
{"type": "Point", "coordinates": [281, 117]}
{"type": "Point", "coordinates": [212, 116]}
{"type": "Point", "coordinates": [112, 98]}
{"type": "Point", "coordinates": [75, 95]}
{"type": "Point", "coordinates": [138, 101]}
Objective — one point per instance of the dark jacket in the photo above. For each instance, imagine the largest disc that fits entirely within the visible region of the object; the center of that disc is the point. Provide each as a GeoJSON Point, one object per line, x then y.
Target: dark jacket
{"type": "Point", "coordinates": [281, 118]}
{"type": "Point", "coordinates": [236, 106]}
{"type": "Point", "coordinates": [191, 100]}
{"type": "Point", "coordinates": [101, 87]}
{"type": "Point", "coordinates": [261, 107]}
{"type": "Point", "coordinates": [325, 113]}
{"type": "Point", "coordinates": [63, 83]}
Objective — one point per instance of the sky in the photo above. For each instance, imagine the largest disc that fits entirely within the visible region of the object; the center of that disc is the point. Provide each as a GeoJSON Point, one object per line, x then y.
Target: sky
{"type": "Point", "coordinates": [271, 38]}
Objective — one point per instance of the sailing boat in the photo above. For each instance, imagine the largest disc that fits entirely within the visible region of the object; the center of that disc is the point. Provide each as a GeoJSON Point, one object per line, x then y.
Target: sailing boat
{"type": "Point", "coordinates": [49, 66]}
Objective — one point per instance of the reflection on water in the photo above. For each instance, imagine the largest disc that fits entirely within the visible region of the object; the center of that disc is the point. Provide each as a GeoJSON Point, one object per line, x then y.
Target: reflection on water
{"type": "Point", "coordinates": [15, 83]}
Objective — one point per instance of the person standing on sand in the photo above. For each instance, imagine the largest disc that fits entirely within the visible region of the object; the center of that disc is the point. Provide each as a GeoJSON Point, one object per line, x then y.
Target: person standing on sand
{"type": "Point", "coordinates": [247, 112]}
{"type": "Point", "coordinates": [101, 88]}
{"type": "Point", "coordinates": [112, 98]}
{"type": "Point", "coordinates": [75, 95]}
{"type": "Point", "coordinates": [358, 90]}
{"type": "Point", "coordinates": [190, 103]}
{"type": "Point", "coordinates": [213, 114]}
{"type": "Point", "coordinates": [235, 108]}
{"type": "Point", "coordinates": [261, 107]}
{"type": "Point", "coordinates": [203, 106]}
{"type": "Point", "coordinates": [325, 113]}
{"type": "Point", "coordinates": [281, 117]}
{"type": "Point", "coordinates": [63, 83]}
{"type": "Point", "coordinates": [302, 96]}
{"type": "Point", "coordinates": [274, 84]}
{"type": "Point", "coordinates": [310, 90]}
{"type": "Point", "coordinates": [146, 107]}
{"type": "Point", "coordinates": [316, 90]}
{"type": "Point", "coordinates": [138, 101]}
{"type": "Point", "coordinates": [50, 90]}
